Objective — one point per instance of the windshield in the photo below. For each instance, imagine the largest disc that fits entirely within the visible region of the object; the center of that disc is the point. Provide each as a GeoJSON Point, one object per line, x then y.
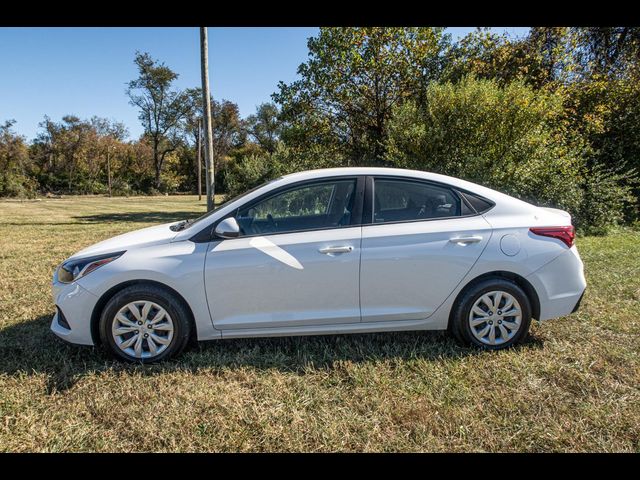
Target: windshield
{"type": "Point", "coordinates": [189, 223]}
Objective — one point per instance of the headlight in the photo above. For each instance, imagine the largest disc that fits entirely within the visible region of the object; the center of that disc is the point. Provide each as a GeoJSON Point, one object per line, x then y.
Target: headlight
{"type": "Point", "coordinates": [74, 269]}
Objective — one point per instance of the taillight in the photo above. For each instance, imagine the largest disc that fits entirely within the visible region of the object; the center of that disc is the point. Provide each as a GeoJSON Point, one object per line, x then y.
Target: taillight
{"type": "Point", "coordinates": [565, 234]}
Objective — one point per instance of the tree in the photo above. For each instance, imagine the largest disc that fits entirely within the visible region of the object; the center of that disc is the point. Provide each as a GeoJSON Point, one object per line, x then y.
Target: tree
{"type": "Point", "coordinates": [110, 134]}
{"type": "Point", "coordinates": [350, 83]}
{"type": "Point", "coordinates": [74, 139]}
{"type": "Point", "coordinates": [45, 148]}
{"type": "Point", "coordinates": [163, 109]}
{"type": "Point", "coordinates": [552, 51]}
{"type": "Point", "coordinates": [228, 131]}
{"type": "Point", "coordinates": [264, 127]}
{"type": "Point", "coordinates": [540, 59]}
{"type": "Point", "coordinates": [607, 50]}
{"type": "Point", "coordinates": [15, 178]}
{"type": "Point", "coordinates": [193, 136]}
{"type": "Point", "coordinates": [75, 155]}
{"type": "Point", "coordinates": [508, 138]}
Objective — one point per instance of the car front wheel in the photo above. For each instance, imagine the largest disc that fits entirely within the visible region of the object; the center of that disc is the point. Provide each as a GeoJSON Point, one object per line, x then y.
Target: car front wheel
{"type": "Point", "coordinates": [144, 324]}
{"type": "Point", "coordinates": [493, 314]}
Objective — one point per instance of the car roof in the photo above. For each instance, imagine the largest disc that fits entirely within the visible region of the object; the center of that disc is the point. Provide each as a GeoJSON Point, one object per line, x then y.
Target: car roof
{"type": "Point", "coordinates": [381, 171]}
{"type": "Point", "coordinates": [505, 203]}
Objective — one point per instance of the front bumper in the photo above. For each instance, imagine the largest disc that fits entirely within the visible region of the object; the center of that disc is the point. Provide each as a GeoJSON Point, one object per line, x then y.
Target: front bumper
{"type": "Point", "coordinates": [76, 305]}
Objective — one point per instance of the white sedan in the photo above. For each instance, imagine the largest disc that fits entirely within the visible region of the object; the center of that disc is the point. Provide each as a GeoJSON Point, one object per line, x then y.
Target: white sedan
{"type": "Point", "coordinates": [334, 251]}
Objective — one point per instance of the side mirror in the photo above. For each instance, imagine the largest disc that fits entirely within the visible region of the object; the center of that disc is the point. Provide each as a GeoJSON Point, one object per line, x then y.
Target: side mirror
{"type": "Point", "coordinates": [228, 228]}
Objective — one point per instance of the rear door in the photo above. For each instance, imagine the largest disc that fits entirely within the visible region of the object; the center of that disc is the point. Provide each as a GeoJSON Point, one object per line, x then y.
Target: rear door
{"type": "Point", "coordinates": [421, 240]}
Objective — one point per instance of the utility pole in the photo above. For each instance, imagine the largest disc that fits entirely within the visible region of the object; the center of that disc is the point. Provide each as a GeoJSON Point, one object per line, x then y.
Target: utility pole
{"type": "Point", "coordinates": [208, 135]}
{"type": "Point", "coordinates": [109, 168]}
{"type": "Point", "coordinates": [199, 148]}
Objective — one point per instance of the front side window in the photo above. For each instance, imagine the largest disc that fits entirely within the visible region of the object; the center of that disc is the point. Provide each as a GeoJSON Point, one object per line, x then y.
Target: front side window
{"type": "Point", "coordinates": [306, 207]}
{"type": "Point", "coordinates": [405, 200]}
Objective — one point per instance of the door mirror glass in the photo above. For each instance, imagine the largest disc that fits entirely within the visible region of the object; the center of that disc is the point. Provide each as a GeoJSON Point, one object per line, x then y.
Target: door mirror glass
{"type": "Point", "coordinates": [228, 228]}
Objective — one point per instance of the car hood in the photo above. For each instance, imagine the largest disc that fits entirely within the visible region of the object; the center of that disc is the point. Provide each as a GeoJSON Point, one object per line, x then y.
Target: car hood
{"type": "Point", "coordinates": [144, 237]}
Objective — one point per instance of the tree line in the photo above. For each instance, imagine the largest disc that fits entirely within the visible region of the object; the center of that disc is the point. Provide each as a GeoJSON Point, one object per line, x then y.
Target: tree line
{"type": "Point", "coordinates": [552, 117]}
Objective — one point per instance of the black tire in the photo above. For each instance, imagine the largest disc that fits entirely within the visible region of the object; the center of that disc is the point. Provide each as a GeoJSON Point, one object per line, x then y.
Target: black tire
{"type": "Point", "coordinates": [459, 324]}
{"type": "Point", "coordinates": [177, 311]}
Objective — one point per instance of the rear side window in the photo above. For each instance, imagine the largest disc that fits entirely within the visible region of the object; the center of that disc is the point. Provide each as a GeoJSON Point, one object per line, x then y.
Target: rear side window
{"type": "Point", "coordinates": [479, 204]}
{"type": "Point", "coordinates": [405, 200]}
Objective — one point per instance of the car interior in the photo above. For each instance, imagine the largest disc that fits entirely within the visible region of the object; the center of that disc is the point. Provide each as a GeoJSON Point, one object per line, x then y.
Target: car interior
{"type": "Point", "coordinates": [324, 205]}
{"type": "Point", "coordinates": [398, 201]}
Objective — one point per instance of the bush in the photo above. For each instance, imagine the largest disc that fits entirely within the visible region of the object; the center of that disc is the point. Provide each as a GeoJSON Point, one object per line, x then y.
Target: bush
{"type": "Point", "coordinates": [17, 185]}
{"type": "Point", "coordinates": [606, 196]}
{"type": "Point", "coordinates": [87, 186]}
{"type": "Point", "coordinates": [120, 187]}
{"type": "Point", "coordinates": [14, 164]}
{"type": "Point", "coordinates": [508, 138]}
{"type": "Point", "coordinates": [606, 111]}
{"type": "Point", "coordinates": [246, 173]}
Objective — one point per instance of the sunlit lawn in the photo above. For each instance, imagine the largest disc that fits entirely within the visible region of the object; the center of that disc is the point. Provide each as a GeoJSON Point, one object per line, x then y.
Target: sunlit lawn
{"type": "Point", "coordinates": [575, 386]}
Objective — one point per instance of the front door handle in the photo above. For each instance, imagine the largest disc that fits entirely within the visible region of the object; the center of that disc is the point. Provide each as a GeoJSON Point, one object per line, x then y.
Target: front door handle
{"type": "Point", "coordinates": [465, 240]}
{"type": "Point", "coordinates": [331, 250]}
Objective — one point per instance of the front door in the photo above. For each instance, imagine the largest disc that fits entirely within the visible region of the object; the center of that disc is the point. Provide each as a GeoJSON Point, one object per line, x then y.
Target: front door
{"type": "Point", "coordinates": [296, 262]}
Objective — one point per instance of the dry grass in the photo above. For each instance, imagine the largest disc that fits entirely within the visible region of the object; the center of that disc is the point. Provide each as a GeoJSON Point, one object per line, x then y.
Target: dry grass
{"type": "Point", "coordinates": [573, 387]}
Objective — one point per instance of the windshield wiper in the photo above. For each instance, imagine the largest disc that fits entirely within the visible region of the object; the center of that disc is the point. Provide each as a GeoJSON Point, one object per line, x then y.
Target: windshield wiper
{"type": "Point", "coordinates": [179, 226]}
{"type": "Point", "coordinates": [182, 225]}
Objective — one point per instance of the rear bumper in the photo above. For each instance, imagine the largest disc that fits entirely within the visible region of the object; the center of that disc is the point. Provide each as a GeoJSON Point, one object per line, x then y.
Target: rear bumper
{"type": "Point", "coordinates": [560, 285]}
{"type": "Point", "coordinates": [575, 309]}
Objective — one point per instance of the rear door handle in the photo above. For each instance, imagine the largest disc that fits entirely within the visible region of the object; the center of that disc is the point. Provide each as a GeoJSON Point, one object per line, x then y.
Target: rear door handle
{"type": "Point", "coordinates": [465, 240]}
{"type": "Point", "coordinates": [342, 249]}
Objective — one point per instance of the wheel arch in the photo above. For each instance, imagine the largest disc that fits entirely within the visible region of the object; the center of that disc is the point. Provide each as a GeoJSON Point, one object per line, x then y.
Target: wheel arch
{"type": "Point", "coordinates": [106, 296]}
{"type": "Point", "coordinates": [519, 280]}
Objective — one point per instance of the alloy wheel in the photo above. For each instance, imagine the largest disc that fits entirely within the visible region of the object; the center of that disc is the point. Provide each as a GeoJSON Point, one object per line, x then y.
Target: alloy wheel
{"type": "Point", "coordinates": [495, 317]}
{"type": "Point", "coordinates": [142, 329]}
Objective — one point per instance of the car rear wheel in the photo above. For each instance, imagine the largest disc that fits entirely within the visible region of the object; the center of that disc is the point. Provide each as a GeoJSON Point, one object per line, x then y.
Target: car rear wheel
{"type": "Point", "coordinates": [493, 314]}
{"type": "Point", "coordinates": [144, 324]}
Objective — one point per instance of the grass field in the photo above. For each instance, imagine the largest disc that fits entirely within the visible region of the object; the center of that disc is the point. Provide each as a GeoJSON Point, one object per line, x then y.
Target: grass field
{"type": "Point", "coordinates": [574, 386]}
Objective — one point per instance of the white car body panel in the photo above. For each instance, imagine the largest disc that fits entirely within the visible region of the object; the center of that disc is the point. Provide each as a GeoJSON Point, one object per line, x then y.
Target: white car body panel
{"type": "Point", "coordinates": [261, 290]}
{"type": "Point", "coordinates": [409, 269]}
{"type": "Point", "coordinates": [177, 265]}
{"type": "Point", "coordinates": [78, 305]}
{"type": "Point", "coordinates": [145, 237]}
{"type": "Point", "coordinates": [398, 276]}
{"type": "Point", "coordinates": [558, 289]}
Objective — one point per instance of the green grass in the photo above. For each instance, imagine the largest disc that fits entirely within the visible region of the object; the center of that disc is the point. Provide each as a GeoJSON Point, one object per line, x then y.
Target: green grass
{"type": "Point", "coordinates": [574, 386]}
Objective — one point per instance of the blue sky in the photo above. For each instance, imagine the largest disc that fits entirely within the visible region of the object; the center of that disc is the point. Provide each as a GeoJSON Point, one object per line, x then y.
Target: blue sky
{"type": "Point", "coordinates": [84, 71]}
